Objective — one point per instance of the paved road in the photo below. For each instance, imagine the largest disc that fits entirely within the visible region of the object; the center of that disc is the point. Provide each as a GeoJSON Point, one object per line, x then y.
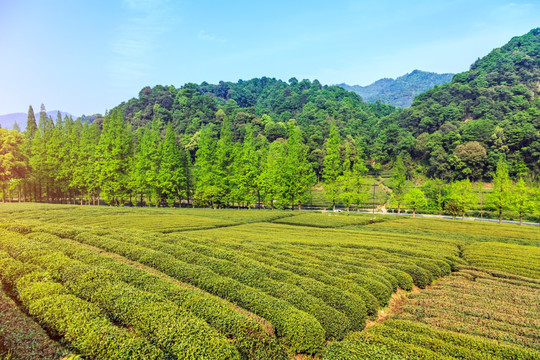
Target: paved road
{"type": "Point", "coordinates": [457, 218]}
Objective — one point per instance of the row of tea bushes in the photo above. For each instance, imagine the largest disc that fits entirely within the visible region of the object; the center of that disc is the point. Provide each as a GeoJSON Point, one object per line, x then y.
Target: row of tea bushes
{"type": "Point", "coordinates": [79, 322]}
{"type": "Point", "coordinates": [251, 340]}
{"type": "Point", "coordinates": [515, 259]}
{"type": "Point", "coordinates": [494, 305]}
{"type": "Point", "coordinates": [416, 341]}
{"type": "Point", "coordinates": [254, 273]}
{"type": "Point", "coordinates": [183, 336]}
{"type": "Point", "coordinates": [21, 337]}
{"type": "Point", "coordinates": [298, 330]}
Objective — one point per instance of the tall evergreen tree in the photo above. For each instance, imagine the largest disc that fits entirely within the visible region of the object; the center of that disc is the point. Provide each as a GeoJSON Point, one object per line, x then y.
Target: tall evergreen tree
{"type": "Point", "coordinates": [500, 197]}
{"type": "Point", "coordinates": [223, 161]}
{"type": "Point", "coordinates": [114, 158]}
{"type": "Point", "coordinates": [31, 125]}
{"type": "Point", "coordinates": [171, 177]}
{"type": "Point", "coordinates": [206, 191]}
{"type": "Point", "coordinates": [299, 174]}
{"type": "Point", "coordinates": [245, 171]}
{"type": "Point", "coordinates": [272, 178]}
{"type": "Point", "coordinates": [399, 181]}
{"type": "Point", "coordinates": [29, 182]}
{"type": "Point", "coordinates": [522, 200]}
{"type": "Point", "coordinates": [332, 166]}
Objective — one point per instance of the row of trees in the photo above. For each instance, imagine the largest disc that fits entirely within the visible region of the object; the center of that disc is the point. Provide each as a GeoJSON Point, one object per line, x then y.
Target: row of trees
{"type": "Point", "coordinates": [68, 161]}
{"type": "Point", "coordinates": [461, 196]}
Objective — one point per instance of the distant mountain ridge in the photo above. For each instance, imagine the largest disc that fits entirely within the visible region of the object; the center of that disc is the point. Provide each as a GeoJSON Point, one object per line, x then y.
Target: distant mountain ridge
{"type": "Point", "coordinates": [7, 121]}
{"type": "Point", "coordinates": [401, 91]}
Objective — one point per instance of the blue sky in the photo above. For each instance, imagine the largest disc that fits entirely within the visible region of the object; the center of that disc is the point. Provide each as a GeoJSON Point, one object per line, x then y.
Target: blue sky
{"type": "Point", "coordinates": [87, 56]}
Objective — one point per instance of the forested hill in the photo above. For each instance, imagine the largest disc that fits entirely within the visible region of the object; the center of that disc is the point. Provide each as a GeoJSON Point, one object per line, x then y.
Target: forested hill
{"type": "Point", "coordinates": [492, 110]}
{"type": "Point", "coordinates": [401, 91]}
{"type": "Point", "coordinates": [453, 131]}
{"type": "Point", "coordinates": [265, 103]}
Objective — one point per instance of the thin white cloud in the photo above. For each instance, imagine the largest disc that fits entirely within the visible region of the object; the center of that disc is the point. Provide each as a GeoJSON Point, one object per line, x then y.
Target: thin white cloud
{"type": "Point", "coordinates": [133, 45]}
{"type": "Point", "coordinates": [203, 35]}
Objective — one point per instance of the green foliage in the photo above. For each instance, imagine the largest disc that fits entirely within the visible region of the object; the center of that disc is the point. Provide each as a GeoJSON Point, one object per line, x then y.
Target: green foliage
{"type": "Point", "coordinates": [81, 323]}
{"type": "Point", "coordinates": [500, 197]}
{"type": "Point", "coordinates": [461, 197]}
{"type": "Point", "coordinates": [172, 177]}
{"type": "Point", "coordinates": [21, 336]}
{"type": "Point", "coordinates": [113, 158]}
{"type": "Point", "coordinates": [399, 182]}
{"type": "Point", "coordinates": [415, 199]}
{"type": "Point", "coordinates": [332, 166]}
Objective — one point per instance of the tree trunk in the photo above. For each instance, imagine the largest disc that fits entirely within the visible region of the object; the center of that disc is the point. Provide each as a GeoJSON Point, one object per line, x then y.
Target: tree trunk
{"type": "Point", "coordinates": [413, 212]}
{"type": "Point", "coordinates": [299, 206]}
{"type": "Point", "coordinates": [500, 217]}
{"type": "Point", "coordinates": [398, 209]}
{"type": "Point", "coordinates": [463, 216]}
{"type": "Point", "coordinates": [19, 192]}
{"type": "Point", "coordinates": [520, 219]}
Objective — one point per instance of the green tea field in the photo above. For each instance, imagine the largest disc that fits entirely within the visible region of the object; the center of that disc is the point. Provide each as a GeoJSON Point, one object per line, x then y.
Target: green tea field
{"type": "Point", "coordinates": [145, 283]}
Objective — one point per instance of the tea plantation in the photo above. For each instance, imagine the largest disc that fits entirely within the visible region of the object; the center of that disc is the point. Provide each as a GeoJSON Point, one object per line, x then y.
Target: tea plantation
{"type": "Point", "coordinates": [126, 283]}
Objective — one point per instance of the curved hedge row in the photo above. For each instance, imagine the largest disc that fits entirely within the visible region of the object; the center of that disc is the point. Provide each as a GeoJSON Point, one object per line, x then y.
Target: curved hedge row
{"type": "Point", "coordinates": [299, 330]}
{"type": "Point", "coordinates": [21, 337]}
{"type": "Point", "coordinates": [307, 269]}
{"type": "Point", "coordinates": [78, 321]}
{"type": "Point", "coordinates": [408, 351]}
{"type": "Point", "coordinates": [358, 350]}
{"type": "Point", "coordinates": [247, 334]}
{"type": "Point", "coordinates": [184, 336]}
{"type": "Point", "coordinates": [335, 323]}
{"type": "Point", "coordinates": [515, 259]}
{"type": "Point", "coordinates": [417, 341]}
{"type": "Point", "coordinates": [488, 349]}
{"type": "Point", "coordinates": [346, 302]}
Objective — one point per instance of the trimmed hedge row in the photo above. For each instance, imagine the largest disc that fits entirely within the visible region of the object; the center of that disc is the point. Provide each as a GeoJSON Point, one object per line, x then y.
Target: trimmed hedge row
{"type": "Point", "coordinates": [371, 277]}
{"type": "Point", "coordinates": [358, 350]}
{"type": "Point", "coordinates": [417, 341]}
{"type": "Point", "coordinates": [78, 321]}
{"type": "Point", "coordinates": [335, 323]}
{"type": "Point", "coordinates": [162, 322]}
{"type": "Point", "coordinates": [184, 335]}
{"type": "Point", "coordinates": [346, 302]}
{"type": "Point", "coordinates": [420, 276]}
{"type": "Point", "coordinates": [488, 349]}
{"type": "Point", "coordinates": [247, 334]}
{"type": "Point", "coordinates": [299, 330]}
{"type": "Point", "coordinates": [397, 347]}
{"type": "Point", "coordinates": [519, 260]}
{"type": "Point", "coordinates": [22, 337]}
{"type": "Point", "coordinates": [294, 264]}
